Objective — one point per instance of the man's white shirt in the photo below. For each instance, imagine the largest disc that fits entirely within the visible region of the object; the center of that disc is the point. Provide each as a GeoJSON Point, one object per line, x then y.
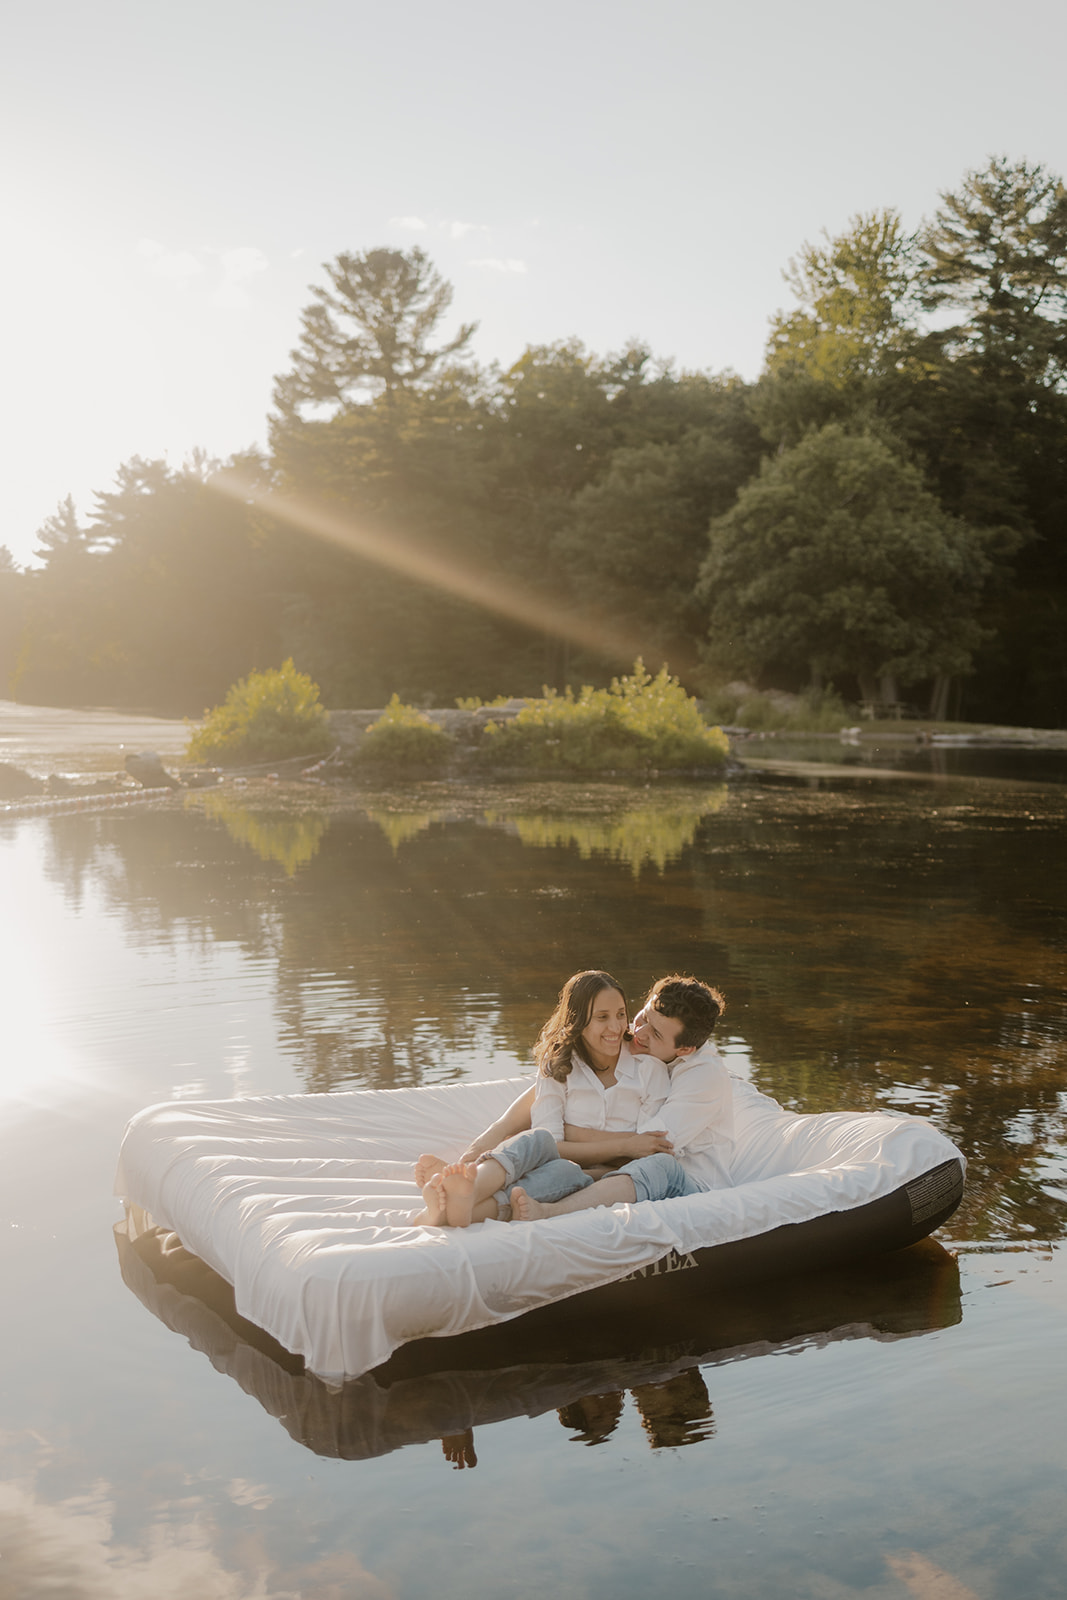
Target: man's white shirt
{"type": "Point", "coordinates": [698, 1116]}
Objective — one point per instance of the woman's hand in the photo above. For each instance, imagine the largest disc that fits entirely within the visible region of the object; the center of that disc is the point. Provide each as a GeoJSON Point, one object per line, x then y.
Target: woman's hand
{"type": "Point", "coordinates": [516, 1119]}
{"type": "Point", "coordinates": [591, 1147]}
{"type": "Point", "coordinates": [575, 1134]}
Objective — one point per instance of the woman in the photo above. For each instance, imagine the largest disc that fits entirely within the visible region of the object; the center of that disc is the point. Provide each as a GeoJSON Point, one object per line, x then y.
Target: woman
{"type": "Point", "coordinates": [591, 1095]}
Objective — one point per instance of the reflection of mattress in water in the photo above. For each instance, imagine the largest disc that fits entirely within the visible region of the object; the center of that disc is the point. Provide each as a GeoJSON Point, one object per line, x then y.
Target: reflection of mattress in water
{"type": "Point", "coordinates": [439, 1387]}
{"type": "Point", "coordinates": [305, 1203]}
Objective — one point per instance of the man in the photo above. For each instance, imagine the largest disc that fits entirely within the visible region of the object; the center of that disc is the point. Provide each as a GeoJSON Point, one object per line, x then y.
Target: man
{"type": "Point", "coordinates": [675, 1024]}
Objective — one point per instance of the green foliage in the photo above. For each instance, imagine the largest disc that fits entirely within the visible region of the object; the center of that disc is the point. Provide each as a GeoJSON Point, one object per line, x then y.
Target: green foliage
{"type": "Point", "coordinates": [584, 485]}
{"type": "Point", "coordinates": [815, 711]}
{"type": "Point", "coordinates": [404, 739]}
{"type": "Point", "coordinates": [997, 251]}
{"type": "Point", "coordinates": [636, 723]}
{"type": "Point", "coordinates": [60, 537]}
{"type": "Point", "coordinates": [857, 303]}
{"type": "Point", "coordinates": [369, 332]}
{"type": "Point", "coordinates": [648, 513]}
{"type": "Point", "coordinates": [837, 559]}
{"type": "Point", "coordinates": [266, 716]}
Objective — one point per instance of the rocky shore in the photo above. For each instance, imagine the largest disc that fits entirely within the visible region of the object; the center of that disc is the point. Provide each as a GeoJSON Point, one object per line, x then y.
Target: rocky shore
{"type": "Point", "coordinates": [51, 756]}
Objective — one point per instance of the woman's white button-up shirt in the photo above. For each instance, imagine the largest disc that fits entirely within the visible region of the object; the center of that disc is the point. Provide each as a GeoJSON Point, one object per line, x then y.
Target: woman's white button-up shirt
{"type": "Point", "coordinates": [642, 1084]}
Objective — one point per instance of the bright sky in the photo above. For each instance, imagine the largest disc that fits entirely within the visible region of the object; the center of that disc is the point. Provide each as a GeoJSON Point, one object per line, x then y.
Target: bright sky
{"type": "Point", "coordinates": [176, 175]}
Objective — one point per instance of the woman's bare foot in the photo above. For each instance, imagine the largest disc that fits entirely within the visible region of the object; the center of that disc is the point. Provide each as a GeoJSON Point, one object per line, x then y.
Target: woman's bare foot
{"type": "Point", "coordinates": [523, 1209]}
{"type": "Point", "coordinates": [433, 1213]}
{"type": "Point", "coordinates": [457, 1181]}
{"type": "Point", "coordinates": [425, 1167]}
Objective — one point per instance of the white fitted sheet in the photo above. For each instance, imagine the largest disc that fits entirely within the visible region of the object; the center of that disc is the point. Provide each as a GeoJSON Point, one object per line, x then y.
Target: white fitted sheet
{"type": "Point", "coordinates": [304, 1204]}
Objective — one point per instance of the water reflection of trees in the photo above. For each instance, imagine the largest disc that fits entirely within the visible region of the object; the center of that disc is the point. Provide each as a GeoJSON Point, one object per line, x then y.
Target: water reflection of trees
{"type": "Point", "coordinates": [168, 875]}
{"type": "Point", "coordinates": [399, 826]}
{"type": "Point", "coordinates": [898, 947]}
{"type": "Point", "coordinates": [289, 838]}
{"type": "Point", "coordinates": [644, 835]}
{"type": "Point", "coordinates": [908, 950]}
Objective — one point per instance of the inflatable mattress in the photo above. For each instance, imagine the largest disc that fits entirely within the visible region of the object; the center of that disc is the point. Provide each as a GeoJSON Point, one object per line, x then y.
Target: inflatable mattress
{"type": "Point", "coordinates": [304, 1204]}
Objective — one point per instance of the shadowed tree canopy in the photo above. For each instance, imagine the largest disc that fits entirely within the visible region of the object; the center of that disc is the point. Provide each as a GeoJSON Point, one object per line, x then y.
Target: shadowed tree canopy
{"type": "Point", "coordinates": [584, 486]}
{"type": "Point", "coordinates": [975, 394]}
{"type": "Point", "coordinates": [994, 413]}
{"type": "Point", "coordinates": [12, 604]}
{"type": "Point", "coordinates": [996, 251]}
{"type": "Point", "coordinates": [837, 559]}
{"type": "Point", "coordinates": [61, 537]}
{"type": "Point", "coordinates": [368, 334]}
{"type": "Point", "coordinates": [636, 536]}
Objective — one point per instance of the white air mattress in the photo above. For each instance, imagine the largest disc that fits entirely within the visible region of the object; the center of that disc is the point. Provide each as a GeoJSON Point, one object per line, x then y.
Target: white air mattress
{"type": "Point", "coordinates": [303, 1203]}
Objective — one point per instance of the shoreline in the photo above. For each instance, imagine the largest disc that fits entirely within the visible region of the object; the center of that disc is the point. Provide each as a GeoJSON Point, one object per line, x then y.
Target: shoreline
{"type": "Point", "coordinates": [50, 754]}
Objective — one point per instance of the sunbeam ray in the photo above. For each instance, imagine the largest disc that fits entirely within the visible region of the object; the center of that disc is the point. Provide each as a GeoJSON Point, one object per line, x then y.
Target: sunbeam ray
{"type": "Point", "coordinates": [618, 642]}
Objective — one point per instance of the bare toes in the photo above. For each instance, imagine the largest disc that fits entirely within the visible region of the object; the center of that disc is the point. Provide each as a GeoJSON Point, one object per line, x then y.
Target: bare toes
{"type": "Point", "coordinates": [425, 1167]}
{"type": "Point", "coordinates": [433, 1194]}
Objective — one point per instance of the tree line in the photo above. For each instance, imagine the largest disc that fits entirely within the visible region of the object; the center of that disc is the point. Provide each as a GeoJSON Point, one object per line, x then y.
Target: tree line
{"type": "Point", "coordinates": [882, 511]}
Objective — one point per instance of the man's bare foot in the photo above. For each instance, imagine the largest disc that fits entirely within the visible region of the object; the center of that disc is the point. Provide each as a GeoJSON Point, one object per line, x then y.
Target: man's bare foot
{"type": "Point", "coordinates": [459, 1449]}
{"type": "Point", "coordinates": [425, 1167]}
{"type": "Point", "coordinates": [457, 1181]}
{"type": "Point", "coordinates": [523, 1209]}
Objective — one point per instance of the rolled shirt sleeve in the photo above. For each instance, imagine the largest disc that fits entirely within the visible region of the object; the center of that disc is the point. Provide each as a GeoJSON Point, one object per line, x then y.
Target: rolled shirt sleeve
{"type": "Point", "coordinates": [550, 1103]}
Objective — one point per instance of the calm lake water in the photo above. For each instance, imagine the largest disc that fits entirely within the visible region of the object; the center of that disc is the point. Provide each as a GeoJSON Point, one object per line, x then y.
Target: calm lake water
{"type": "Point", "coordinates": [899, 1429]}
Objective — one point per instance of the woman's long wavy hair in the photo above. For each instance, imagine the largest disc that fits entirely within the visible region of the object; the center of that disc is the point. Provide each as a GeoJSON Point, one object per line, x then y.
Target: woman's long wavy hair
{"type": "Point", "coordinates": [561, 1036]}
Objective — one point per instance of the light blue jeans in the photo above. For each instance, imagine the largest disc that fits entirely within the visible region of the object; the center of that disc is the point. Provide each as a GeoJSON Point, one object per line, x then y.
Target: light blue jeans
{"type": "Point", "coordinates": [659, 1177]}
{"type": "Point", "coordinates": [533, 1160]}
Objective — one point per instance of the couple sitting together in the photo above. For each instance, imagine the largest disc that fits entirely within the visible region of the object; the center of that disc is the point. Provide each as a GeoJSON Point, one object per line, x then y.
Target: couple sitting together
{"type": "Point", "coordinates": [616, 1114]}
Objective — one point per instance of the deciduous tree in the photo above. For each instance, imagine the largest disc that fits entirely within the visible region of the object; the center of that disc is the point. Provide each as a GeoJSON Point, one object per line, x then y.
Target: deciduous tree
{"type": "Point", "coordinates": [837, 559]}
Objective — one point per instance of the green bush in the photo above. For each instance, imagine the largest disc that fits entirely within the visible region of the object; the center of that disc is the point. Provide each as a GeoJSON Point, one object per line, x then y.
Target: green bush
{"type": "Point", "coordinates": [265, 717]}
{"type": "Point", "coordinates": [638, 722]}
{"type": "Point", "coordinates": [474, 702]}
{"type": "Point", "coordinates": [402, 739]}
{"type": "Point", "coordinates": [816, 711]}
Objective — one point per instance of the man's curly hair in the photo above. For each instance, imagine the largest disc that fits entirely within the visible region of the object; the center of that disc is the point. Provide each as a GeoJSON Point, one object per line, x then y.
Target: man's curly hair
{"type": "Point", "coordinates": [696, 1005]}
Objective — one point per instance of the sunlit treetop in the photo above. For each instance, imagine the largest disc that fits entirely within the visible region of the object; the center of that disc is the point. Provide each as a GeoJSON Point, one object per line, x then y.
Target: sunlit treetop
{"type": "Point", "coordinates": [368, 333]}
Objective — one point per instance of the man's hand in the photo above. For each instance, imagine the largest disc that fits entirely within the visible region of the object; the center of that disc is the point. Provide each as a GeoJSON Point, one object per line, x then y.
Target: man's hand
{"type": "Point", "coordinates": [651, 1144]}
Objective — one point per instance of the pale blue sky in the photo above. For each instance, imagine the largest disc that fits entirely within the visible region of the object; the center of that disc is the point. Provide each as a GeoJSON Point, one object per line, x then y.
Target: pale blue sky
{"type": "Point", "coordinates": [176, 174]}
